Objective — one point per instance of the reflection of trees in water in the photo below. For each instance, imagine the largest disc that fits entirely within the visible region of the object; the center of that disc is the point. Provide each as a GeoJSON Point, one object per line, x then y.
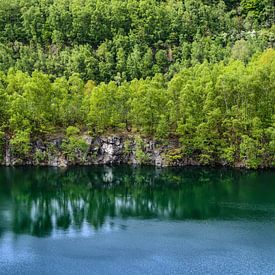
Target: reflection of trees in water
{"type": "Point", "coordinates": [44, 200]}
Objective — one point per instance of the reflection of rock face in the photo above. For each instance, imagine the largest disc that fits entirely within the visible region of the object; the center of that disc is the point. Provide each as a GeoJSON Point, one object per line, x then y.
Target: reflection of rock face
{"type": "Point", "coordinates": [101, 150]}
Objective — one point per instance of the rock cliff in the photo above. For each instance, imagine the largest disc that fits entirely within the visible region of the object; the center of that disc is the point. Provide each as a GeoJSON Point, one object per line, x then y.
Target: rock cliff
{"type": "Point", "coordinates": [100, 150]}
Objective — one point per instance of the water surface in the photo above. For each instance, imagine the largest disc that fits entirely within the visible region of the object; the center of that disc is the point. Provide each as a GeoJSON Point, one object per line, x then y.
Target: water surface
{"type": "Point", "coordinates": [125, 220]}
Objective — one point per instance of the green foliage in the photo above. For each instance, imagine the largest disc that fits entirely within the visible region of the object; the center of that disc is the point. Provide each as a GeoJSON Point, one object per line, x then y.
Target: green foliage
{"type": "Point", "coordinates": [40, 156]}
{"type": "Point", "coordinates": [108, 107]}
{"type": "Point", "coordinates": [174, 155]}
{"type": "Point", "coordinates": [162, 130]}
{"type": "Point", "coordinates": [101, 40]}
{"type": "Point", "coordinates": [147, 103]}
{"type": "Point", "coordinates": [228, 155]}
{"type": "Point", "coordinates": [72, 131]}
{"type": "Point", "coordinates": [224, 111]}
{"type": "Point", "coordinates": [249, 152]}
{"type": "Point", "coordinates": [127, 147]}
{"type": "Point", "coordinates": [141, 155]}
{"type": "Point", "coordinates": [258, 11]}
{"type": "Point", "coordinates": [74, 146]}
{"type": "Point", "coordinates": [20, 144]}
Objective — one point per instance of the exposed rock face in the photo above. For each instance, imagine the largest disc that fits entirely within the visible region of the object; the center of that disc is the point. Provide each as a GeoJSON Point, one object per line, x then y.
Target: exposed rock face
{"type": "Point", "coordinates": [7, 156]}
{"type": "Point", "coordinates": [116, 149]}
{"type": "Point", "coordinates": [110, 150]}
{"type": "Point", "coordinates": [113, 149]}
{"type": "Point", "coordinates": [101, 150]}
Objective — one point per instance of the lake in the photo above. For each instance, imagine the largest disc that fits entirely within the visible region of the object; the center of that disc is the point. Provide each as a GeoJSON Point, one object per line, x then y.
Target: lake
{"type": "Point", "coordinates": [136, 220]}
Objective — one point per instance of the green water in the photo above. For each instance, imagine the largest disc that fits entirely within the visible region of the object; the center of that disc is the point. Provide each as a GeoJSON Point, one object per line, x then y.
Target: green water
{"type": "Point", "coordinates": [119, 220]}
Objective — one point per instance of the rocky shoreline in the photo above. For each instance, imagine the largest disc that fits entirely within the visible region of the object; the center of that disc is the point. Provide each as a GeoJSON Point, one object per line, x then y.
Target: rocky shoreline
{"type": "Point", "coordinates": [113, 149]}
{"type": "Point", "coordinates": [101, 150]}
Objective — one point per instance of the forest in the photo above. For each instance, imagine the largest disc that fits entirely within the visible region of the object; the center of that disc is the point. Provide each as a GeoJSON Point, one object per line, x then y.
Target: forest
{"type": "Point", "coordinates": [199, 71]}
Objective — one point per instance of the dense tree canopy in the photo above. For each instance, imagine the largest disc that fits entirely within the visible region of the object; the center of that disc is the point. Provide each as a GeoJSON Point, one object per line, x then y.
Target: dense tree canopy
{"type": "Point", "coordinates": [116, 40]}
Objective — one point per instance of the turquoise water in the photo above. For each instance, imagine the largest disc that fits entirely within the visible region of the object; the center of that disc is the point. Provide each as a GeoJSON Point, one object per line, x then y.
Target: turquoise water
{"type": "Point", "coordinates": [126, 220]}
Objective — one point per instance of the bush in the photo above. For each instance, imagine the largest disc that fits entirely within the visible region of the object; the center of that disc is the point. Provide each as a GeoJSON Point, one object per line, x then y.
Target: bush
{"type": "Point", "coordinates": [20, 144]}
{"type": "Point", "coordinates": [72, 131]}
{"type": "Point", "coordinates": [74, 147]}
{"type": "Point", "coordinates": [40, 156]}
{"type": "Point", "coordinates": [141, 156]}
{"type": "Point", "coordinates": [249, 152]}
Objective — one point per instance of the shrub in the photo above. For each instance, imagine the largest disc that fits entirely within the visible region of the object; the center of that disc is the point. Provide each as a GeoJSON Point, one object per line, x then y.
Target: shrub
{"type": "Point", "coordinates": [74, 146]}
{"type": "Point", "coordinates": [249, 152]}
{"type": "Point", "coordinates": [141, 156]}
{"type": "Point", "coordinates": [20, 144]}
